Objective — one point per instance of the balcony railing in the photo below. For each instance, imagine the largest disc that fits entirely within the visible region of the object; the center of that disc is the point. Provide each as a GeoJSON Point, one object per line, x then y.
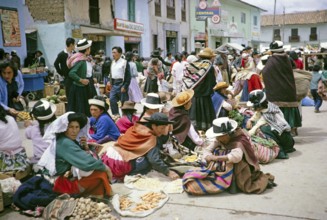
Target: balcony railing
{"type": "Point", "coordinates": [157, 10]}
{"type": "Point", "coordinates": [313, 37]}
{"type": "Point", "coordinates": [294, 39]}
{"type": "Point", "coordinates": [171, 12]}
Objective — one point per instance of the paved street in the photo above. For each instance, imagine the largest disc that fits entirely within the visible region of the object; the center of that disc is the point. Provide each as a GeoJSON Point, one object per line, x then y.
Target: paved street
{"type": "Point", "coordinates": [301, 192]}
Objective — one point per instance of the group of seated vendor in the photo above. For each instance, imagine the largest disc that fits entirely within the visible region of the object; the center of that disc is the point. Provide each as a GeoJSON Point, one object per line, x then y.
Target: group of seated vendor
{"type": "Point", "coordinates": [66, 147]}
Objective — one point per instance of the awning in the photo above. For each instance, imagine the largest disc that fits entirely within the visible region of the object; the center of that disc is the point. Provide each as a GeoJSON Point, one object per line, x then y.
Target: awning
{"type": "Point", "coordinates": [107, 32]}
{"type": "Point", "coordinates": [30, 31]}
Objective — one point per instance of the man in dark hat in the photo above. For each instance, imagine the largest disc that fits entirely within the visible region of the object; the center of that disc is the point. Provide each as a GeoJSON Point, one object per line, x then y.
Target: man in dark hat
{"type": "Point", "coordinates": [140, 148]}
{"type": "Point", "coordinates": [39, 59]}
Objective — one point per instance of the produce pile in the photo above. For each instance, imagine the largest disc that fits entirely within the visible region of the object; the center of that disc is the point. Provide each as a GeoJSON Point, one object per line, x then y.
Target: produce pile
{"type": "Point", "coordinates": [88, 209]}
{"type": "Point", "coordinates": [56, 99]}
{"type": "Point", "coordinates": [23, 116]}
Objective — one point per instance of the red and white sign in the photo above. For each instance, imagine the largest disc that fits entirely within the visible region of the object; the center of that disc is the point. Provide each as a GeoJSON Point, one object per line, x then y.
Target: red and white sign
{"type": "Point", "coordinates": [215, 19]}
{"type": "Point", "coordinates": [124, 25]}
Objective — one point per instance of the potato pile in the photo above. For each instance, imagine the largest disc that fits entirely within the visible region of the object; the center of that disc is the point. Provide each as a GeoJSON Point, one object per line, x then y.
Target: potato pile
{"type": "Point", "coordinates": [23, 116]}
{"type": "Point", "coordinates": [149, 201]}
{"type": "Point", "coordinates": [88, 209]}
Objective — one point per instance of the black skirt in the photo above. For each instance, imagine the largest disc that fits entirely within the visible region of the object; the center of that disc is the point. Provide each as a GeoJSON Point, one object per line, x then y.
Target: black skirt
{"type": "Point", "coordinates": [202, 112]}
{"type": "Point", "coordinates": [151, 85]}
{"type": "Point", "coordinates": [79, 96]}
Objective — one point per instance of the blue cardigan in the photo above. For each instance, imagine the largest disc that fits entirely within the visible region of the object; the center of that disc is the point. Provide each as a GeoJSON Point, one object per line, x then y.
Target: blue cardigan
{"type": "Point", "coordinates": [105, 126]}
{"type": "Point", "coordinates": [4, 92]}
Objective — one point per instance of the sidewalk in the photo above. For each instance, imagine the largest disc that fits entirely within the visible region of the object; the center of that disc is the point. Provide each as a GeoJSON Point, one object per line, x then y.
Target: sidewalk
{"type": "Point", "coordinates": [301, 192]}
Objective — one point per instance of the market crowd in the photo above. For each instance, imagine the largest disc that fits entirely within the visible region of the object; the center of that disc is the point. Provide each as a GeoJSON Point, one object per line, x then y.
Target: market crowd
{"type": "Point", "coordinates": [232, 109]}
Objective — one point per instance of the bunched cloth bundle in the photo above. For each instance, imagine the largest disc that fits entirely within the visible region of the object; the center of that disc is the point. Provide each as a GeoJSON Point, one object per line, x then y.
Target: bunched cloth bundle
{"type": "Point", "coordinates": [216, 178]}
{"type": "Point", "coordinates": [194, 73]}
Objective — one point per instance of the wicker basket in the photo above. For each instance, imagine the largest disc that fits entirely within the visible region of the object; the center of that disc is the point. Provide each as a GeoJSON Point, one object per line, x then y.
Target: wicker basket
{"type": "Point", "coordinates": [61, 109]}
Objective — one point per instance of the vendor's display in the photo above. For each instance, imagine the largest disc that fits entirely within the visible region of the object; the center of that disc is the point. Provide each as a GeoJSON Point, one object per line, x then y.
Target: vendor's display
{"type": "Point", "coordinates": [23, 116]}
{"type": "Point", "coordinates": [139, 203]}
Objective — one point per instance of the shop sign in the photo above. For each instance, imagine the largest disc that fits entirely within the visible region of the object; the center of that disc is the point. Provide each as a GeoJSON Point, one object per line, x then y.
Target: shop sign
{"type": "Point", "coordinates": [172, 34]}
{"type": "Point", "coordinates": [202, 12]}
{"type": "Point", "coordinates": [124, 25]}
{"type": "Point", "coordinates": [132, 39]}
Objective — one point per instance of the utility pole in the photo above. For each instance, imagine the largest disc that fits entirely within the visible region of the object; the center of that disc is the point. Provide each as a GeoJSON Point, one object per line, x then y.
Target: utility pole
{"type": "Point", "coordinates": [273, 34]}
{"type": "Point", "coordinates": [284, 24]}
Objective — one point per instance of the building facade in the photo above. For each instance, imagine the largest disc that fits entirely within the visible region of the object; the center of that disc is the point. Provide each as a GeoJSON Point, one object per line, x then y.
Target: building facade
{"type": "Point", "coordinates": [12, 36]}
{"type": "Point", "coordinates": [295, 29]}
{"type": "Point", "coordinates": [238, 22]}
{"type": "Point", "coordinates": [102, 21]}
{"type": "Point", "coordinates": [169, 25]}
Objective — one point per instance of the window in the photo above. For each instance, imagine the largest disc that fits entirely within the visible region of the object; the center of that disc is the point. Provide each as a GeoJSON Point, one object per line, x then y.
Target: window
{"type": "Point", "coordinates": [313, 34]}
{"type": "Point", "coordinates": [157, 8]}
{"type": "Point", "coordinates": [155, 41]}
{"type": "Point", "coordinates": [183, 6]}
{"type": "Point", "coordinates": [131, 10]}
{"type": "Point", "coordinates": [184, 44]}
{"type": "Point", "coordinates": [94, 11]}
{"type": "Point", "coordinates": [243, 17]}
{"type": "Point", "coordinates": [255, 20]}
{"type": "Point", "coordinates": [294, 36]}
{"type": "Point", "coordinates": [277, 34]}
{"type": "Point", "coordinates": [171, 9]}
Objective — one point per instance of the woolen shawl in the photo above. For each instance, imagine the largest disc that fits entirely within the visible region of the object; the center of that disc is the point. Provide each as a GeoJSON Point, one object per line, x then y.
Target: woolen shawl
{"type": "Point", "coordinates": [182, 123]}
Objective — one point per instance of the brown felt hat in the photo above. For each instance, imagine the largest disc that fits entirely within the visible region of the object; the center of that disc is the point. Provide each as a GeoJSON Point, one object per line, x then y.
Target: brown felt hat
{"type": "Point", "coordinates": [128, 105]}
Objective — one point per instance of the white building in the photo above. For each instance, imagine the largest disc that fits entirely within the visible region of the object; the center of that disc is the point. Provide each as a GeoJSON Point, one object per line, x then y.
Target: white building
{"type": "Point", "coordinates": [295, 29]}
{"type": "Point", "coordinates": [169, 25]}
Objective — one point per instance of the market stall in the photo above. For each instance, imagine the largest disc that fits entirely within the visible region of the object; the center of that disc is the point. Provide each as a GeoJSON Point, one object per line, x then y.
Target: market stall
{"type": "Point", "coordinates": [34, 83]}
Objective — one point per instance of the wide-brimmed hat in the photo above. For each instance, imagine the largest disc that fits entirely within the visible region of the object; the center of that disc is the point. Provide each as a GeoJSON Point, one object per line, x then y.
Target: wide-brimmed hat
{"type": "Point", "coordinates": [39, 51]}
{"type": "Point", "coordinates": [191, 59]}
{"type": "Point", "coordinates": [83, 44]}
{"type": "Point", "coordinates": [207, 53]}
{"type": "Point", "coordinates": [164, 96]}
{"type": "Point", "coordinates": [263, 61]}
{"type": "Point", "coordinates": [222, 51]}
{"type": "Point", "coordinates": [158, 118]}
{"type": "Point", "coordinates": [183, 98]}
{"type": "Point", "coordinates": [43, 110]}
{"type": "Point", "coordinates": [152, 101]}
{"type": "Point", "coordinates": [99, 101]}
{"type": "Point", "coordinates": [220, 85]}
{"type": "Point", "coordinates": [128, 105]}
{"type": "Point", "coordinates": [98, 57]}
{"type": "Point", "coordinates": [221, 126]}
{"type": "Point", "coordinates": [256, 97]}
{"type": "Point", "coordinates": [155, 53]}
{"type": "Point", "coordinates": [276, 46]}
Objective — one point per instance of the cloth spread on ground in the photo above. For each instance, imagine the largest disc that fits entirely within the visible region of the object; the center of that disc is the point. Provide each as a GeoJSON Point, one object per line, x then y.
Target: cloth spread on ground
{"type": "Point", "coordinates": [153, 181]}
{"type": "Point", "coordinates": [182, 123]}
{"type": "Point", "coordinates": [135, 198]}
{"type": "Point", "coordinates": [136, 142]}
{"type": "Point", "coordinates": [279, 81]}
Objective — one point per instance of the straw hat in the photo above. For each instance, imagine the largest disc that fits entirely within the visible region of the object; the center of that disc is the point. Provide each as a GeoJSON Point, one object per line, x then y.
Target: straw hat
{"type": "Point", "coordinates": [83, 44]}
{"type": "Point", "coordinates": [43, 110]}
{"type": "Point", "coordinates": [220, 85]}
{"type": "Point", "coordinates": [182, 98]}
{"type": "Point", "coordinates": [99, 101]}
{"type": "Point", "coordinates": [207, 53]}
{"type": "Point", "coordinates": [128, 105]}
{"type": "Point", "coordinates": [152, 101]}
{"type": "Point", "coordinates": [221, 126]}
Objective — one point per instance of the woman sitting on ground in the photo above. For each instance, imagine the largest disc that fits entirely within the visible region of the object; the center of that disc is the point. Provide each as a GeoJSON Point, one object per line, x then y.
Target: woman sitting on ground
{"type": "Point", "coordinates": [151, 104]}
{"type": "Point", "coordinates": [13, 156]}
{"type": "Point", "coordinates": [103, 128]}
{"type": "Point", "coordinates": [220, 101]}
{"type": "Point", "coordinates": [247, 174]}
{"type": "Point", "coordinates": [138, 150]}
{"type": "Point", "coordinates": [67, 157]}
{"type": "Point", "coordinates": [44, 113]}
{"type": "Point", "coordinates": [183, 129]}
{"type": "Point", "coordinates": [270, 120]}
{"type": "Point", "coordinates": [129, 118]}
